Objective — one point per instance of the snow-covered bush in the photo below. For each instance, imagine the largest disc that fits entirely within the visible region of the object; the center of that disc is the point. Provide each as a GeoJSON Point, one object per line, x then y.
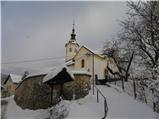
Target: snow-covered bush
{"type": "Point", "coordinates": [60, 110]}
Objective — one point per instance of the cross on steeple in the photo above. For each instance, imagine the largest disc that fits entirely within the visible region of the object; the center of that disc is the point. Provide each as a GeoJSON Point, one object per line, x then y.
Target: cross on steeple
{"type": "Point", "coordinates": [73, 23]}
{"type": "Point", "coordinates": [73, 35]}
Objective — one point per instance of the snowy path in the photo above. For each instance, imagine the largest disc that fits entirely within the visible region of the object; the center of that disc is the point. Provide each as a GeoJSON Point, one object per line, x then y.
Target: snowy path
{"type": "Point", "coordinates": [123, 106]}
{"type": "Point", "coordinates": [120, 106]}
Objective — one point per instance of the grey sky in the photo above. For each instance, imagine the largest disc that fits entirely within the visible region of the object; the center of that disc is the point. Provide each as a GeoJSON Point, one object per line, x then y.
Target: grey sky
{"type": "Point", "coordinates": [35, 30]}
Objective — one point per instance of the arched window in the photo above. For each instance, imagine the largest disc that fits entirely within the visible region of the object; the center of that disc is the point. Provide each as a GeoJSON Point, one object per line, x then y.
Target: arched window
{"type": "Point", "coordinates": [70, 49]}
{"type": "Point", "coordinates": [82, 63]}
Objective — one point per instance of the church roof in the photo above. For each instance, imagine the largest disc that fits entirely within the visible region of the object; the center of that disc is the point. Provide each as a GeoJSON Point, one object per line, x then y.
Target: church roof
{"type": "Point", "coordinates": [90, 50]}
{"type": "Point", "coordinates": [73, 35]}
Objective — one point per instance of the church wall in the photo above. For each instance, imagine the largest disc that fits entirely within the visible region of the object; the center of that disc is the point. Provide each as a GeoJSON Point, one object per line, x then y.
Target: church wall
{"type": "Point", "coordinates": [88, 60]}
{"type": "Point", "coordinates": [99, 67]}
{"type": "Point", "coordinates": [99, 63]}
{"type": "Point", "coordinates": [71, 67]}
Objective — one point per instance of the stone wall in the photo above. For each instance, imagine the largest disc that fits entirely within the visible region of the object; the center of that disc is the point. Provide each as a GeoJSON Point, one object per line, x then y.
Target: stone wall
{"type": "Point", "coordinates": [79, 87]}
{"type": "Point", "coordinates": [32, 93]}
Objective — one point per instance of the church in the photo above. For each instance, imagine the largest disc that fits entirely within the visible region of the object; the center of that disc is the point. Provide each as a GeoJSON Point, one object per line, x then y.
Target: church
{"type": "Point", "coordinates": [83, 59]}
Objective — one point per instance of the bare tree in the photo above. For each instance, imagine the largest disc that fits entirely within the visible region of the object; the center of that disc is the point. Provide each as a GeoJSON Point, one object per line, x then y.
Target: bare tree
{"type": "Point", "coordinates": [141, 30]}
{"type": "Point", "coordinates": [139, 37]}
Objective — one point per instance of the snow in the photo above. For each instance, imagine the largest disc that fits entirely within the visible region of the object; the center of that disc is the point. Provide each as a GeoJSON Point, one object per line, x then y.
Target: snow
{"type": "Point", "coordinates": [119, 103]}
{"type": "Point", "coordinates": [55, 71]}
{"type": "Point", "coordinates": [123, 106]}
{"type": "Point", "coordinates": [14, 111]}
{"type": "Point", "coordinates": [60, 110]}
{"type": "Point", "coordinates": [93, 51]}
{"type": "Point", "coordinates": [85, 108]}
{"type": "Point", "coordinates": [98, 51]}
{"type": "Point", "coordinates": [16, 78]}
{"type": "Point", "coordinates": [81, 72]}
{"type": "Point", "coordinates": [70, 62]}
{"type": "Point", "coordinates": [41, 72]}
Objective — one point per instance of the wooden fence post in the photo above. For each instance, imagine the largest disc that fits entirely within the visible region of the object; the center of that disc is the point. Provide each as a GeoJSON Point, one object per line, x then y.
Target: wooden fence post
{"type": "Point", "coordinates": [134, 89]}
{"type": "Point", "coordinates": [97, 97]}
{"type": "Point", "coordinates": [96, 79]}
{"type": "Point", "coordinates": [122, 84]}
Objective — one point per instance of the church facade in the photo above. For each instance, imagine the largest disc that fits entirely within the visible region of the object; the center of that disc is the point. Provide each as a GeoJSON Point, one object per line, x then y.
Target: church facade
{"type": "Point", "coordinates": [82, 59]}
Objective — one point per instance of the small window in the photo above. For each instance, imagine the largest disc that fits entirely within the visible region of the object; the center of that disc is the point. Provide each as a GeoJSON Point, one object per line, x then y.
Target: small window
{"type": "Point", "coordinates": [82, 63]}
{"type": "Point", "coordinates": [70, 49]}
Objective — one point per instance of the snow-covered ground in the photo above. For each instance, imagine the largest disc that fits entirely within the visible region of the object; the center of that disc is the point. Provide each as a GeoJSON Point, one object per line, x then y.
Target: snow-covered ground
{"type": "Point", "coordinates": [120, 106]}
{"type": "Point", "coordinates": [123, 106]}
{"type": "Point", "coordinates": [16, 112]}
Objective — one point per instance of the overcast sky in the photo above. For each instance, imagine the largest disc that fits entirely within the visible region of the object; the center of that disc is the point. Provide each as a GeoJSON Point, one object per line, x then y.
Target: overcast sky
{"type": "Point", "coordinates": [35, 30]}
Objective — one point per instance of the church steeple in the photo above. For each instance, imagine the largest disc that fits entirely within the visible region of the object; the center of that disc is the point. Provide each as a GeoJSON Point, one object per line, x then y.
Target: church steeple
{"type": "Point", "coordinates": [72, 46]}
{"type": "Point", "coordinates": [73, 35]}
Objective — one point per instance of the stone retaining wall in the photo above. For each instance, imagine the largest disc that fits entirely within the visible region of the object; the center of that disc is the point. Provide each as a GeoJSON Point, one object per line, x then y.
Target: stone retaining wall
{"type": "Point", "coordinates": [32, 93]}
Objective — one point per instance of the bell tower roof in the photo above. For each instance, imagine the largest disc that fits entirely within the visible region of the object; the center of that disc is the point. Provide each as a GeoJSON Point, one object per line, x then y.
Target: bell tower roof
{"type": "Point", "coordinates": [73, 35]}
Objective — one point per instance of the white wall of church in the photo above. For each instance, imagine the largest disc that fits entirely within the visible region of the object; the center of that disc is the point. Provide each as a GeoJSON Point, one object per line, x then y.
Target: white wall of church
{"type": "Point", "coordinates": [99, 67]}
{"type": "Point", "coordinates": [99, 63]}
{"type": "Point", "coordinates": [87, 60]}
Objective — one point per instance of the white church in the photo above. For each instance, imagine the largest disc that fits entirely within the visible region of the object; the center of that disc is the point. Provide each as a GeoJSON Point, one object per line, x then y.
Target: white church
{"type": "Point", "coordinates": [81, 58]}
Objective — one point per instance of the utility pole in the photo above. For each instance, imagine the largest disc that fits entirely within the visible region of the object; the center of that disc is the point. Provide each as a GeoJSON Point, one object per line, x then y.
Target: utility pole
{"type": "Point", "coordinates": [93, 71]}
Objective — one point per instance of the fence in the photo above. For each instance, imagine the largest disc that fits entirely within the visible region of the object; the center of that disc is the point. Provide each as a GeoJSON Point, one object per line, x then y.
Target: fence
{"type": "Point", "coordinates": [105, 102]}
{"type": "Point", "coordinates": [138, 91]}
{"type": "Point", "coordinates": [134, 88]}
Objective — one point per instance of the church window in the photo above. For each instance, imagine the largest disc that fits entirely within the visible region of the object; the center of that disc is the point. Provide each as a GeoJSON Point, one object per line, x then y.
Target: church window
{"type": "Point", "coordinates": [70, 49]}
{"type": "Point", "coordinates": [82, 63]}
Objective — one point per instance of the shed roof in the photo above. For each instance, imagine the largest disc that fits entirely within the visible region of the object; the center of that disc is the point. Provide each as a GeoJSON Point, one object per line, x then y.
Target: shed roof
{"type": "Point", "coordinates": [41, 72]}
{"type": "Point", "coordinates": [56, 71]}
{"type": "Point", "coordinates": [15, 78]}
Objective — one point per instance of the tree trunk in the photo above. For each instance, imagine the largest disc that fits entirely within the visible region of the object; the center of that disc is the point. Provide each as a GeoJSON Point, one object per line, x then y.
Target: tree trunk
{"type": "Point", "coordinates": [130, 61]}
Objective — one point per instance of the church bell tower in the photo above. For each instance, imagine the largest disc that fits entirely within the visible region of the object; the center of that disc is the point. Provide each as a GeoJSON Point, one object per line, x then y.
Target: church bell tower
{"type": "Point", "coordinates": [72, 46]}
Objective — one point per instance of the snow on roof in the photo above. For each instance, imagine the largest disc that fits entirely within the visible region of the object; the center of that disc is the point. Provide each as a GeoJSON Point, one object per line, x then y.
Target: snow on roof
{"type": "Point", "coordinates": [96, 52]}
{"type": "Point", "coordinates": [81, 72]}
{"type": "Point", "coordinates": [70, 62]}
{"type": "Point", "coordinates": [42, 72]}
{"type": "Point", "coordinates": [55, 71]}
{"type": "Point", "coordinates": [16, 78]}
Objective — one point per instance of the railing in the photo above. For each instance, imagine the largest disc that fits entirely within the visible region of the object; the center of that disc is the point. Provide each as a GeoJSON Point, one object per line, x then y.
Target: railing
{"type": "Point", "coordinates": [105, 102]}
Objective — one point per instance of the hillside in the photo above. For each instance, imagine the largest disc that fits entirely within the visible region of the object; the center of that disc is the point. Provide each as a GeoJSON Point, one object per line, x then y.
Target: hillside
{"type": "Point", "coordinates": [120, 106]}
